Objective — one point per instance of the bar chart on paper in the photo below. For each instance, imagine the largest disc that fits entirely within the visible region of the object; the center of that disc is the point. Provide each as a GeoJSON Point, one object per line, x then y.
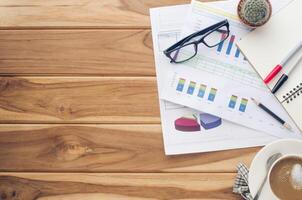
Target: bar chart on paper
{"type": "Point", "coordinates": [243, 105]}
{"type": "Point", "coordinates": [181, 84]}
{"type": "Point", "coordinates": [226, 60]}
{"type": "Point", "coordinates": [202, 90]}
{"type": "Point", "coordinates": [212, 94]}
{"type": "Point", "coordinates": [228, 47]}
{"type": "Point", "coordinates": [209, 94]}
{"type": "Point", "coordinates": [191, 88]}
{"type": "Point", "coordinates": [233, 101]}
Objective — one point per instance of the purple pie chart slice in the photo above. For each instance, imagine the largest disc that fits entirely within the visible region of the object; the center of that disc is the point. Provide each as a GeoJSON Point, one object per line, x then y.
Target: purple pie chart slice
{"type": "Point", "coordinates": [187, 124]}
{"type": "Point", "coordinates": [208, 121]}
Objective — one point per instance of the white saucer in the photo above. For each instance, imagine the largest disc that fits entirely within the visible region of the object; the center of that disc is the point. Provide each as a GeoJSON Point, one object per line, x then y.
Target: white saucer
{"type": "Point", "coordinates": [257, 169]}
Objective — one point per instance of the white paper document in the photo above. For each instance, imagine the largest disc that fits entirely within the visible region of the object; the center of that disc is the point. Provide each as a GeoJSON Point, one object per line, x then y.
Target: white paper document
{"type": "Point", "coordinates": [226, 136]}
{"type": "Point", "coordinates": [167, 23]}
{"type": "Point", "coordinates": [219, 80]}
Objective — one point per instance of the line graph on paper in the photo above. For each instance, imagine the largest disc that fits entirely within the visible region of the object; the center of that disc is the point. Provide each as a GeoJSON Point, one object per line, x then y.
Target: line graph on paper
{"type": "Point", "coordinates": [228, 71]}
{"type": "Point", "coordinates": [166, 39]}
{"type": "Point", "coordinates": [172, 106]}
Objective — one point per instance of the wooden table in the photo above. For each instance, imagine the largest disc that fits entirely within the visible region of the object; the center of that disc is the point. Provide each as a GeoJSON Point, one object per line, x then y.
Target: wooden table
{"type": "Point", "coordinates": [79, 108]}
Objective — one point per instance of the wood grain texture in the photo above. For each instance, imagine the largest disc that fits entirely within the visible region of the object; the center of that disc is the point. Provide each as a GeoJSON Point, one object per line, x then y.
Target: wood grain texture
{"type": "Point", "coordinates": [103, 148]}
{"type": "Point", "coordinates": [62, 186]}
{"type": "Point", "coordinates": [78, 13]}
{"type": "Point", "coordinates": [79, 116]}
{"type": "Point", "coordinates": [78, 100]}
{"type": "Point", "coordinates": [84, 52]}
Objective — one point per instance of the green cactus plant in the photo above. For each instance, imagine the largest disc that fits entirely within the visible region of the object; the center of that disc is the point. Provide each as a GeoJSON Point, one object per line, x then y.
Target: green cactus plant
{"type": "Point", "coordinates": [254, 13]}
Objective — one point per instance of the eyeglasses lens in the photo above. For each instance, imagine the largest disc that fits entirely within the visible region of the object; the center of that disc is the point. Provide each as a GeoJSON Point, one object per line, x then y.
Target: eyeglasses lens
{"type": "Point", "coordinates": [217, 36]}
{"type": "Point", "coordinates": [184, 53]}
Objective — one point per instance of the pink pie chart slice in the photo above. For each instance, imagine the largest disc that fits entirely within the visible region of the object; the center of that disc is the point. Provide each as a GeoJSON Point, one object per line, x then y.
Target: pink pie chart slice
{"type": "Point", "coordinates": [187, 124]}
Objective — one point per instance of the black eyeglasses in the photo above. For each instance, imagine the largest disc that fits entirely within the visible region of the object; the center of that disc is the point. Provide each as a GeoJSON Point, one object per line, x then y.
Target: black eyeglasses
{"type": "Point", "coordinates": [187, 48]}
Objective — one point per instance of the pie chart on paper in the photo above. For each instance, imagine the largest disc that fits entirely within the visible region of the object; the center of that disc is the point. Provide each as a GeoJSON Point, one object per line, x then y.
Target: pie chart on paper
{"type": "Point", "coordinates": [191, 123]}
{"type": "Point", "coordinates": [187, 124]}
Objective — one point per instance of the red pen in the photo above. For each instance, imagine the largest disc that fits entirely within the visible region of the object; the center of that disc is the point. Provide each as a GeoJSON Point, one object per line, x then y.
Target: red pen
{"type": "Point", "coordinates": [285, 76]}
{"type": "Point", "coordinates": [279, 67]}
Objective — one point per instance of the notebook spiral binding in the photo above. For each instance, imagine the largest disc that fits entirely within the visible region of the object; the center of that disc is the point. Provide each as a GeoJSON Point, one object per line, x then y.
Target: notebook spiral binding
{"type": "Point", "coordinates": [293, 94]}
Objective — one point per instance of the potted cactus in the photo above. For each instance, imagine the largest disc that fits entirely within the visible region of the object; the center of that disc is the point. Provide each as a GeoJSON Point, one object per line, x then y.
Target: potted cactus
{"type": "Point", "coordinates": [254, 13]}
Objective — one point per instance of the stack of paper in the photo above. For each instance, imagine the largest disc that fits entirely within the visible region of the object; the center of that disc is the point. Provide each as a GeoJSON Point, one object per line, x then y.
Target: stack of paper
{"type": "Point", "coordinates": [205, 102]}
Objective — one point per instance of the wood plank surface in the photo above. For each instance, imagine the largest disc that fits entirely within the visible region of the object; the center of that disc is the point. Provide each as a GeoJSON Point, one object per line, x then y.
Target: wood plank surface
{"type": "Point", "coordinates": [41, 186]}
{"type": "Point", "coordinates": [78, 13]}
{"type": "Point", "coordinates": [84, 52]}
{"type": "Point", "coordinates": [103, 148]}
{"type": "Point", "coordinates": [79, 114]}
{"type": "Point", "coordinates": [78, 100]}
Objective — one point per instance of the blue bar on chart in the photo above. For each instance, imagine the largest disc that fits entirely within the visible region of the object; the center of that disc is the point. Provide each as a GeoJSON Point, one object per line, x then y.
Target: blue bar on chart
{"type": "Point", "coordinates": [181, 85]}
{"type": "Point", "coordinates": [223, 36]}
{"type": "Point", "coordinates": [243, 105]}
{"type": "Point", "coordinates": [191, 87]}
{"type": "Point", "coordinates": [233, 101]}
{"type": "Point", "coordinates": [231, 42]}
{"type": "Point", "coordinates": [237, 53]}
{"type": "Point", "coordinates": [202, 90]}
{"type": "Point", "coordinates": [212, 94]}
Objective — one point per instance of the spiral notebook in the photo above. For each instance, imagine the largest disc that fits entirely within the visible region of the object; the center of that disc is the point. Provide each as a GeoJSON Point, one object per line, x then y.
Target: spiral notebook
{"type": "Point", "coordinates": [266, 46]}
